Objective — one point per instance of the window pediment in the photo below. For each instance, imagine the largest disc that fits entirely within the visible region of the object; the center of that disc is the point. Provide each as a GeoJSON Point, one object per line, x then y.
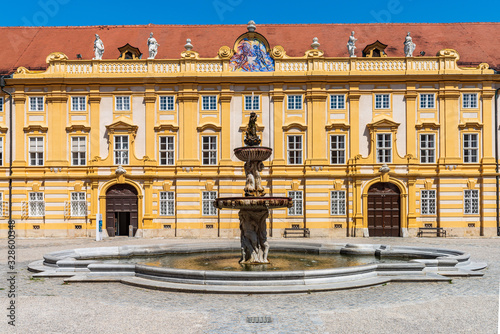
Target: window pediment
{"type": "Point", "coordinates": [122, 124]}
{"type": "Point", "coordinates": [383, 122]}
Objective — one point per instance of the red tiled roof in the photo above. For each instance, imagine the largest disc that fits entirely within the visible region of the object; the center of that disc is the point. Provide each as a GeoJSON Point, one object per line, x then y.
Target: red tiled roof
{"type": "Point", "coordinates": [29, 46]}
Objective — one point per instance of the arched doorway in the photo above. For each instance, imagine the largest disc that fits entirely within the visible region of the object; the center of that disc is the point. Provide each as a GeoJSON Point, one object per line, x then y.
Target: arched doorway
{"type": "Point", "coordinates": [121, 209]}
{"type": "Point", "coordinates": [384, 211]}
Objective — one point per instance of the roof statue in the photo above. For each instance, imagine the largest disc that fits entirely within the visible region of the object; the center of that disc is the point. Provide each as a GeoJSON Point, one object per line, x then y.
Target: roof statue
{"type": "Point", "coordinates": [98, 47]}
{"type": "Point", "coordinates": [350, 45]}
{"type": "Point", "coordinates": [409, 46]}
{"type": "Point", "coordinates": [152, 46]}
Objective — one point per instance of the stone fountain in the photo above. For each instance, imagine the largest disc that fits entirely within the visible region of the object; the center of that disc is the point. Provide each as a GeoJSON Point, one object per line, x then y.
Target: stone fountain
{"type": "Point", "coordinates": [254, 206]}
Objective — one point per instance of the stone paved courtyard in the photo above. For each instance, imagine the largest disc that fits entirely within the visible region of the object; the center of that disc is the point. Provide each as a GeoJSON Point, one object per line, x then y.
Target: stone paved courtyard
{"type": "Point", "coordinates": [468, 305]}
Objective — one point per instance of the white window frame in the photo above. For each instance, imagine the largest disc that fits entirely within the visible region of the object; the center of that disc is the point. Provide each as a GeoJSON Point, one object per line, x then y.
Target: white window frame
{"type": "Point", "coordinates": [469, 101]}
{"type": "Point", "coordinates": [166, 150]}
{"type": "Point", "coordinates": [338, 203]}
{"type": "Point", "coordinates": [209, 102]}
{"type": "Point", "coordinates": [471, 202]}
{"type": "Point", "coordinates": [297, 208]}
{"type": "Point", "coordinates": [469, 150]}
{"type": "Point", "coordinates": [207, 200]}
{"type": "Point", "coordinates": [36, 152]}
{"type": "Point", "coordinates": [36, 204]}
{"type": "Point", "coordinates": [167, 203]}
{"type": "Point", "coordinates": [427, 152]}
{"type": "Point", "coordinates": [167, 102]}
{"type": "Point", "coordinates": [427, 101]}
{"type": "Point", "coordinates": [428, 202]}
{"type": "Point", "coordinates": [384, 153]}
{"type": "Point", "coordinates": [36, 103]}
{"type": "Point", "coordinates": [295, 149]}
{"type": "Point", "coordinates": [382, 101]}
{"type": "Point", "coordinates": [122, 103]}
{"type": "Point", "coordinates": [78, 103]}
{"type": "Point", "coordinates": [78, 204]}
{"type": "Point", "coordinates": [294, 102]}
{"type": "Point", "coordinates": [121, 154]}
{"type": "Point", "coordinates": [337, 101]}
{"type": "Point", "coordinates": [339, 152]}
{"type": "Point", "coordinates": [252, 102]}
{"type": "Point", "coordinates": [78, 152]}
{"type": "Point", "coordinates": [209, 152]}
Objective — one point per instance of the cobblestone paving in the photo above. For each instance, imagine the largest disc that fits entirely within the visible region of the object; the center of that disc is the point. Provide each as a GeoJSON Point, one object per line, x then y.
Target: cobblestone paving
{"type": "Point", "coordinates": [468, 305]}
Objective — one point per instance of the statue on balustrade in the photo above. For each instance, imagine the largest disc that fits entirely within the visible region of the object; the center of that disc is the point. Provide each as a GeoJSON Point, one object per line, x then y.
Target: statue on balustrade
{"type": "Point", "coordinates": [351, 47]}
{"type": "Point", "coordinates": [152, 46]}
{"type": "Point", "coordinates": [409, 46]}
{"type": "Point", "coordinates": [98, 48]}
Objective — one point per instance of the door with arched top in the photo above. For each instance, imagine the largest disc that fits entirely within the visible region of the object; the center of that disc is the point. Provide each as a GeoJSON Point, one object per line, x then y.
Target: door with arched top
{"type": "Point", "coordinates": [384, 211]}
{"type": "Point", "coordinates": [121, 209]}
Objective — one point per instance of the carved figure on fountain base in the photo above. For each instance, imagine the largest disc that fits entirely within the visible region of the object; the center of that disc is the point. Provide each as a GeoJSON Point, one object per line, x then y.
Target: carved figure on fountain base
{"type": "Point", "coordinates": [251, 137]}
{"type": "Point", "coordinates": [253, 186]}
{"type": "Point", "coordinates": [254, 245]}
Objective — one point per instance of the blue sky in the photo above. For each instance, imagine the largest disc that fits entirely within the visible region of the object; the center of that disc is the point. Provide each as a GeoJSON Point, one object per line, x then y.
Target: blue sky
{"type": "Point", "coordinates": [110, 12]}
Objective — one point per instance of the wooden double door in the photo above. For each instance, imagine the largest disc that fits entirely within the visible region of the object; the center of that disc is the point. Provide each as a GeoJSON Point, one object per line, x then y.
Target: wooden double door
{"type": "Point", "coordinates": [384, 210]}
{"type": "Point", "coordinates": [121, 209]}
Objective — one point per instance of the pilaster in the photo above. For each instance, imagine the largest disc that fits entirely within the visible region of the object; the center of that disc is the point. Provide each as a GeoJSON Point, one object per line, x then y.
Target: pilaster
{"type": "Point", "coordinates": [95, 122]}
{"type": "Point", "coordinates": [150, 102]}
{"type": "Point", "coordinates": [316, 119]}
{"type": "Point", "coordinates": [57, 149]}
{"type": "Point", "coordinates": [225, 136]}
{"type": "Point", "coordinates": [188, 136]}
{"type": "Point", "coordinates": [19, 119]}
{"type": "Point", "coordinates": [278, 97]}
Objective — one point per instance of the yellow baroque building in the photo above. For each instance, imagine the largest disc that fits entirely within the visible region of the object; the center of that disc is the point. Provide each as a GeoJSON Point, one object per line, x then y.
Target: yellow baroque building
{"type": "Point", "coordinates": [381, 144]}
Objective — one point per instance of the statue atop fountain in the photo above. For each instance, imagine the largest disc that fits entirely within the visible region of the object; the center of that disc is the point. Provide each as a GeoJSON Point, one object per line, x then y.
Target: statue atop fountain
{"type": "Point", "coordinates": [254, 207]}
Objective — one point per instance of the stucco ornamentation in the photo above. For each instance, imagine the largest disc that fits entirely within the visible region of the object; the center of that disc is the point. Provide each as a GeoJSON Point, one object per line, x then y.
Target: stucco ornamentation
{"type": "Point", "coordinates": [225, 52]}
{"type": "Point", "coordinates": [56, 56]}
{"type": "Point", "coordinates": [278, 52]}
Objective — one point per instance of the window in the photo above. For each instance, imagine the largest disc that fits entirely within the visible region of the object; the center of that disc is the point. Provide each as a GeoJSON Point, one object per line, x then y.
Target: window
{"type": "Point", "coordinates": [209, 102]}
{"type": "Point", "coordinates": [471, 201]}
{"type": "Point", "coordinates": [338, 203]}
{"type": "Point", "coordinates": [167, 103]}
{"type": "Point", "coordinates": [36, 205]}
{"type": "Point", "coordinates": [294, 102]}
{"type": "Point", "coordinates": [121, 150]}
{"type": "Point", "coordinates": [78, 103]}
{"type": "Point", "coordinates": [471, 149]}
{"type": "Point", "coordinates": [381, 101]}
{"type": "Point", "coordinates": [1, 104]}
{"type": "Point", "coordinates": [167, 150]}
{"type": "Point", "coordinates": [252, 102]}
{"type": "Point", "coordinates": [469, 100]}
{"type": "Point", "coordinates": [427, 101]}
{"type": "Point", "coordinates": [337, 149]}
{"type": "Point", "coordinates": [78, 151]}
{"type": "Point", "coordinates": [36, 151]}
{"type": "Point", "coordinates": [78, 204]}
{"type": "Point", "coordinates": [296, 209]}
{"type": "Point", "coordinates": [209, 150]}
{"type": "Point", "coordinates": [36, 103]}
{"type": "Point", "coordinates": [1, 151]}
{"type": "Point", "coordinates": [167, 203]}
{"type": "Point", "coordinates": [337, 101]}
{"type": "Point", "coordinates": [428, 202]}
{"type": "Point", "coordinates": [294, 149]}
{"type": "Point", "coordinates": [122, 103]}
{"type": "Point", "coordinates": [384, 147]}
{"type": "Point", "coordinates": [427, 149]}
{"type": "Point", "coordinates": [207, 202]}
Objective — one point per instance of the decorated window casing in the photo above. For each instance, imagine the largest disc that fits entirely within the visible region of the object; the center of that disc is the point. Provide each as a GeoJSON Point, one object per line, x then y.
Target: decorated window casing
{"type": "Point", "coordinates": [122, 103]}
{"type": "Point", "coordinates": [382, 101]}
{"type": "Point", "coordinates": [294, 102]}
{"type": "Point", "coordinates": [36, 103]}
{"type": "Point", "coordinates": [167, 203]}
{"type": "Point", "coordinates": [252, 102]}
{"type": "Point", "coordinates": [471, 202]}
{"type": "Point", "coordinates": [36, 204]}
{"type": "Point", "coordinates": [428, 202]}
{"type": "Point", "coordinates": [469, 100]}
{"type": "Point", "coordinates": [384, 147]}
{"type": "Point", "coordinates": [78, 103]}
{"type": "Point", "coordinates": [427, 101]}
{"type": "Point", "coordinates": [78, 151]}
{"type": "Point", "coordinates": [121, 150]}
{"type": "Point", "coordinates": [471, 147]}
{"type": "Point", "coordinates": [207, 200]}
{"type": "Point", "coordinates": [209, 150]}
{"type": "Point", "coordinates": [337, 149]}
{"type": "Point", "coordinates": [209, 102]}
{"type": "Point", "coordinates": [337, 101]}
{"type": "Point", "coordinates": [297, 205]}
{"type": "Point", "coordinates": [78, 204]}
{"type": "Point", "coordinates": [36, 151]}
{"type": "Point", "coordinates": [167, 103]}
{"type": "Point", "coordinates": [167, 150]}
{"type": "Point", "coordinates": [337, 203]}
{"type": "Point", "coordinates": [427, 148]}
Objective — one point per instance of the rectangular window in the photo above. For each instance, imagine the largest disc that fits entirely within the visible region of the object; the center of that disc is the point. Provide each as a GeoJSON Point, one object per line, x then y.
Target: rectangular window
{"type": "Point", "coordinates": [294, 102]}
{"type": "Point", "coordinates": [382, 101]}
{"type": "Point", "coordinates": [167, 150]}
{"type": "Point", "coordinates": [338, 203]}
{"type": "Point", "coordinates": [78, 204]}
{"type": "Point", "coordinates": [36, 103]}
{"type": "Point", "coordinates": [1, 151]}
{"type": "Point", "coordinates": [428, 202]}
{"type": "Point", "coordinates": [167, 203]}
{"type": "Point", "coordinates": [1, 104]}
{"type": "Point", "coordinates": [469, 100]}
{"type": "Point", "coordinates": [122, 103]}
{"type": "Point", "coordinates": [209, 150]}
{"type": "Point", "coordinates": [252, 102]}
{"type": "Point", "coordinates": [471, 202]}
{"type": "Point", "coordinates": [294, 149]}
{"type": "Point", "coordinates": [36, 205]}
{"type": "Point", "coordinates": [427, 149]}
{"type": "Point", "coordinates": [207, 202]}
{"type": "Point", "coordinates": [209, 102]}
{"type": "Point", "coordinates": [337, 101]}
{"type": "Point", "coordinates": [78, 151]}
{"type": "Point", "coordinates": [427, 101]}
{"type": "Point", "coordinates": [36, 151]}
{"type": "Point", "coordinates": [296, 209]}
{"type": "Point", "coordinates": [471, 148]}
{"type": "Point", "coordinates": [121, 150]}
{"type": "Point", "coordinates": [337, 149]}
{"type": "Point", "coordinates": [384, 147]}
{"type": "Point", "coordinates": [167, 103]}
{"type": "Point", "coordinates": [78, 103]}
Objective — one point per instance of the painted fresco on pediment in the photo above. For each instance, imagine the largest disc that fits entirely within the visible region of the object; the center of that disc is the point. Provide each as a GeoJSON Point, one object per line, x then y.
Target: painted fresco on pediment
{"type": "Point", "coordinates": [251, 56]}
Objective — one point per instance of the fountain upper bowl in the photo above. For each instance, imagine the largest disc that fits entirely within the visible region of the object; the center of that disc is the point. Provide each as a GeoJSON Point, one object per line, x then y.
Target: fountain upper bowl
{"type": "Point", "coordinates": [253, 153]}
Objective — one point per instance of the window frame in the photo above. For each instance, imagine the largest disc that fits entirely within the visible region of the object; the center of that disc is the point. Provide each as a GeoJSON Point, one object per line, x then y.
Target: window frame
{"type": "Point", "coordinates": [296, 210]}
{"type": "Point", "coordinates": [79, 152]}
{"type": "Point", "coordinates": [252, 103]}
{"type": "Point", "coordinates": [425, 103]}
{"type": "Point", "coordinates": [293, 105]}
{"type": "Point", "coordinates": [169, 153]}
{"type": "Point", "coordinates": [428, 203]}
{"type": "Point", "coordinates": [167, 204]}
{"type": "Point", "coordinates": [468, 151]}
{"type": "Point", "coordinates": [80, 203]}
{"type": "Point", "coordinates": [39, 152]}
{"type": "Point", "coordinates": [38, 104]}
{"type": "Point", "coordinates": [425, 157]}
{"type": "Point", "coordinates": [341, 208]}
{"type": "Point", "coordinates": [79, 104]}
{"type": "Point", "coordinates": [209, 103]}
{"type": "Point", "coordinates": [167, 103]}
{"type": "Point", "coordinates": [473, 198]}
{"type": "Point", "coordinates": [211, 154]}
{"type": "Point", "coordinates": [118, 160]}
{"type": "Point", "coordinates": [334, 105]}
{"type": "Point", "coordinates": [378, 148]}
{"type": "Point", "coordinates": [343, 150]}
{"type": "Point", "coordinates": [467, 103]}
{"type": "Point", "coordinates": [296, 150]}
{"type": "Point", "coordinates": [207, 208]}
{"type": "Point", "coordinates": [382, 102]}
{"type": "Point", "coordinates": [122, 103]}
{"type": "Point", "coordinates": [36, 205]}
